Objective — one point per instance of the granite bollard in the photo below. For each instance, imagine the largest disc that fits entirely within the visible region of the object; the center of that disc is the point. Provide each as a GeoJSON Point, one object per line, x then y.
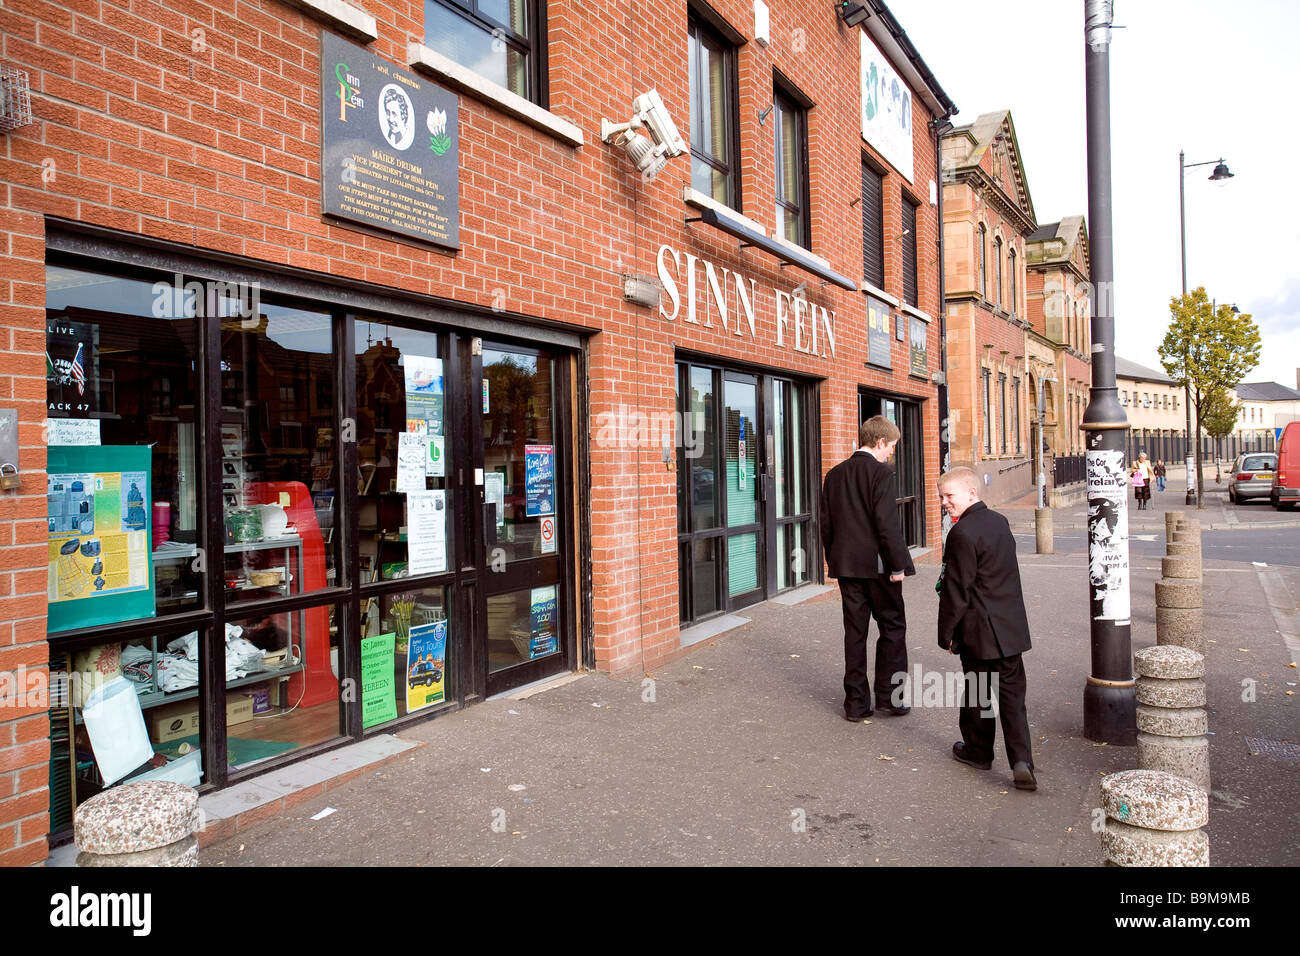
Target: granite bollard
{"type": "Point", "coordinates": [1154, 819]}
{"type": "Point", "coordinates": [139, 824]}
{"type": "Point", "coordinates": [1171, 719]}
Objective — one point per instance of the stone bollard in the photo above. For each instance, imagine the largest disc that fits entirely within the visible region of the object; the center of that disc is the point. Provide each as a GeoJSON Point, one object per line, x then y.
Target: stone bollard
{"type": "Point", "coordinates": [139, 824]}
{"type": "Point", "coordinates": [1043, 530]}
{"type": "Point", "coordinates": [1179, 598]}
{"type": "Point", "coordinates": [1154, 819]}
{"type": "Point", "coordinates": [1192, 538]}
{"type": "Point", "coordinates": [1186, 523]}
{"type": "Point", "coordinates": [1171, 525]}
{"type": "Point", "coordinates": [1171, 719]}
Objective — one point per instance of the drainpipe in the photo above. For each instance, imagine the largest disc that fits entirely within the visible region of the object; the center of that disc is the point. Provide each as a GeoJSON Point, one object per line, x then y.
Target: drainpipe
{"type": "Point", "coordinates": [939, 128]}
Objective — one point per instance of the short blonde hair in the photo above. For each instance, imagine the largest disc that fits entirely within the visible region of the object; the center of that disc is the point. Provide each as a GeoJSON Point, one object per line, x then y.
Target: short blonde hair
{"type": "Point", "coordinates": [962, 476]}
{"type": "Point", "coordinates": [876, 429]}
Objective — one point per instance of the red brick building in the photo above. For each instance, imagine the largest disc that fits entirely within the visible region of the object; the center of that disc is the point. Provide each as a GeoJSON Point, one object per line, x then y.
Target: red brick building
{"type": "Point", "coordinates": [367, 354]}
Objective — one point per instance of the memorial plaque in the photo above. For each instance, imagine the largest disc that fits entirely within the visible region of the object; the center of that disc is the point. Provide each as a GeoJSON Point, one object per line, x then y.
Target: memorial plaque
{"type": "Point", "coordinates": [878, 343]}
{"type": "Point", "coordinates": [390, 150]}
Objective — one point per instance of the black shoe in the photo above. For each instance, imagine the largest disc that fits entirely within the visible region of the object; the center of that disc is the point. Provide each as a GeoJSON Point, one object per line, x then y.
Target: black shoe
{"type": "Point", "coordinates": [889, 710]}
{"type": "Point", "coordinates": [960, 754]}
{"type": "Point", "coordinates": [1024, 775]}
{"type": "Point", "coordinates": [857, 718]}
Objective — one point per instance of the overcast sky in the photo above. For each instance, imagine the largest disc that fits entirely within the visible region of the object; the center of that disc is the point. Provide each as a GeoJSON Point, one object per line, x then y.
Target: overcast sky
{"type": "Point", "coordinates": [1208, 78]}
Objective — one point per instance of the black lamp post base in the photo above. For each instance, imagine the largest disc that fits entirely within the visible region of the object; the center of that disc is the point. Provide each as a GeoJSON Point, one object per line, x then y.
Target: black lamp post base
{"type": "Point", "coordinates": [1110, 713]}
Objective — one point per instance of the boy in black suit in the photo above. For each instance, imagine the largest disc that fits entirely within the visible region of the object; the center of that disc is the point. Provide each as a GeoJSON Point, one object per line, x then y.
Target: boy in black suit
{"type": "Point", "coordinates": [863, 536]}
{"type": "Point", "coordinates": [982, 618]}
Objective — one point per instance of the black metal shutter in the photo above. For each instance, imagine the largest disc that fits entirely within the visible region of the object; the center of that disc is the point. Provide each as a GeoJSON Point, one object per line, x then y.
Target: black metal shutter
{"type": "Point", "coordinates": [873, 228]}
{"type": "Point", "coordinates": [909, 253]}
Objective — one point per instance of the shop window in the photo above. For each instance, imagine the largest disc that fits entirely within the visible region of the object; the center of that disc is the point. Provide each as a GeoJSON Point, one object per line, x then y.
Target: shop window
{"type": "Point", "coordinates": [124, 481]}
{"type": "Point", "coordinates": [791, 132]}
{"type": "Point", "coordinates": [498, 39]}
{"type": "Point", "coordinates": [279, 487]}
{"type": "Point", "coordinates": [910, 287]}
{"type": "Point", "coordinates": [714, 105]}
{"type": "Point", "coordinates": [873, 227]}
{"type": "Point", "coordinates": [404, 508]}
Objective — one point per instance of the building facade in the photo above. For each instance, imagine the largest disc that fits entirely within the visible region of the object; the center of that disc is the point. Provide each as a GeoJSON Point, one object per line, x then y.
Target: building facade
{"type": "Point", "coordinates": [361, 370]}
{"type": "Point", "coordinates": [988, 216]}
{"type": "Point", "coordinates": [1060, 313]}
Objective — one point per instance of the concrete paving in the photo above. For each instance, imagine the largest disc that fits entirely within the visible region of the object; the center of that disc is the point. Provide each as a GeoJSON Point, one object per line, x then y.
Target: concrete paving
{"type": "Point", "coordinates": [738, 753]}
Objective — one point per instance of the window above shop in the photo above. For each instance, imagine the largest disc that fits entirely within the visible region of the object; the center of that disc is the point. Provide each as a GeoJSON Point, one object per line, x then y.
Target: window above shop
{"type": "Point", "coordinates": [714, 111]}
{"type": "Point", "coordinates": [791, 151]}
{"type": "Point", "coordinates": [498, 39]}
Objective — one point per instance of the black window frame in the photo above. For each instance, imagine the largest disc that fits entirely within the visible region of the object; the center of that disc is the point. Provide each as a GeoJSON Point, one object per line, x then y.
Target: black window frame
{"type": "Point", "coordinates": [785, 98]}
{"type": "Point", "coordinates": [987, 379]}
{"type": "Point", "coordinates": [873, 225]}
{"type": "Point", "coordinates": [1002, 409]}
{"type": "Point", "coordinates": [911, 280]}
{"type": "Point", "coordinates": [703, 25]}
{"type": "Point", "coordinates": [1011, 270]}
{"type": "Point", "coordinates": [532, 45]}
{"type": "Point", "coordinates": [997, 271]}
{"type": "Point", "coordinates": [982, 239]}
{"type": "Point", "coordinates": [1015, 412]}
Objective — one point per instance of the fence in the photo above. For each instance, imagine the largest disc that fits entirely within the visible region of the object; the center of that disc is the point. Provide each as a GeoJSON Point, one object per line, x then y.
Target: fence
{"type": "Point", "coordinates": [1173, 448]}
{"type": "Point", "coordinates": [1068, 469]}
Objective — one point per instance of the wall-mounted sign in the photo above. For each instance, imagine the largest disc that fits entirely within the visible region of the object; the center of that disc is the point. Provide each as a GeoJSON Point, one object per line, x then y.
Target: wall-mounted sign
{"type": "Point", "coordinates": [878, 333]}
{"type": "Point", "coordinates": [886, 109]}
{"type": "Point", "coordinates": [390, 153]}
{"type": "Point", "coordinates": [714, 293]}
{"type": "Point", "coordinates": [916, 348]}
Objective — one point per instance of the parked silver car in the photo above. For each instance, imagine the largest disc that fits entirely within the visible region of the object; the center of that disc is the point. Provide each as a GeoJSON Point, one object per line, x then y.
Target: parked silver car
{"type": "Point", "coordinates": [1252, 476]}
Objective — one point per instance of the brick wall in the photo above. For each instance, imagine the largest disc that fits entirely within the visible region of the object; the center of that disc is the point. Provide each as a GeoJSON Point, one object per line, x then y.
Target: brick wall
{"type": "Point", "coordinates": [198, 123]}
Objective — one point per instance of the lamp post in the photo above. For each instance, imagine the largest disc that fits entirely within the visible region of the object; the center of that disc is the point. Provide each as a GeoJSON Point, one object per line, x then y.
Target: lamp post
{"type": "Point", "coordinates": [1191, 459]}
{"type": "Point", "coordinates": [1109, 698]}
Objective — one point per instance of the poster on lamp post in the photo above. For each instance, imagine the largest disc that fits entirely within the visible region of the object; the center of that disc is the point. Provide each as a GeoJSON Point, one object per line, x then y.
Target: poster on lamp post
{"type": "Point", "coordinates": [1108, 570]}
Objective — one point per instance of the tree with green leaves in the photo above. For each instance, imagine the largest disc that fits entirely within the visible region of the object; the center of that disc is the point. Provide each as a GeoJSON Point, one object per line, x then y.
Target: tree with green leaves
{"type": "Point", "coordinates": [1218, 417]}
{"type": "Point", "coordinates": [1207, 348]}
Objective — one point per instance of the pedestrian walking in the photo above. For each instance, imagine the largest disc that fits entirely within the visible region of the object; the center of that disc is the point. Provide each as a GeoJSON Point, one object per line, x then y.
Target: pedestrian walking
{"type": "Point", "coordinates": [982, 618]}
{"type": "Point", "coordinates": [866, 551]}
{"type": "Point", "coordinates": [1159, 471]}
{"type": "Point", "coordinates": [1142, 476]}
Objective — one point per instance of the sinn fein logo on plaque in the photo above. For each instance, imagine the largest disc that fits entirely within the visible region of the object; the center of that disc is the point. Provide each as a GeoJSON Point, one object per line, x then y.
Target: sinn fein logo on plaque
{"type": "Point", "coordinates": [390, 152]}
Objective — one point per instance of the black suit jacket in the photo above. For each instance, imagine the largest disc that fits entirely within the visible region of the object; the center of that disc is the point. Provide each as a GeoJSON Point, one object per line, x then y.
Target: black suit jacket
{"type": "Point", "coordinates": [861, 531]}
{"type": "Point", "coordinates": [981, 605]}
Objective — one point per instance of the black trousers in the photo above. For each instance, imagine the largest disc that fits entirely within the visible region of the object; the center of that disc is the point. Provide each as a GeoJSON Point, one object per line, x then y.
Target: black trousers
{"type": "Point", "coordinates": [978, 731]}
{"type": "Point", "coordinates": [863, 599]}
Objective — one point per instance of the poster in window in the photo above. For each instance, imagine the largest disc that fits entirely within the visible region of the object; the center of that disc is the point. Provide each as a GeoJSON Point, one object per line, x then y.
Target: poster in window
{"type": "Point", "coordinates": [539, 480]}
{"type": "Point", "coordinates": [71, 369]}
{"type": "Point", "coordinates": [426, 519]}
{"type": "Point", "coordinates": [916, 347]}
{"type": "Point", "coordinates": [98, 505]}
{"type": "Point", "coordinates": [741, 464]}
{"type": "Point", "coordinates": [424, 395]}
{"type": "Point", "coordinates": [378, 683]}
{"type": "Point", "coordinates": [390, 154]}
{"type": "Point", "coordinates": [494, 493]}
{"type": "Point", "coordinates": [542, 615]}
{"type": "Point", "coordinates": [426, 665]}
{"type": "Point", "coordinates": [877, 333]}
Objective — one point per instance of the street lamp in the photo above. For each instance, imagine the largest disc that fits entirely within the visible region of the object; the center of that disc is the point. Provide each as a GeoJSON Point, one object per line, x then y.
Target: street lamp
{"type": "Point", "coordinates": [1220, 173]}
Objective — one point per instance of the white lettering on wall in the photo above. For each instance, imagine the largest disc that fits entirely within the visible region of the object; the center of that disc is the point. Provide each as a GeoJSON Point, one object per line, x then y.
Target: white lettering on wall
{"type": "Point", "coordinates": [811, 325]}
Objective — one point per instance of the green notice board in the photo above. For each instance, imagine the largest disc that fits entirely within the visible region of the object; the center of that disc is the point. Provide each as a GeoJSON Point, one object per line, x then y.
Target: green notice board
{"type": "Point", "coordinates": [99, 506]}
{"type": "Point", "coordinates": [378, 680]}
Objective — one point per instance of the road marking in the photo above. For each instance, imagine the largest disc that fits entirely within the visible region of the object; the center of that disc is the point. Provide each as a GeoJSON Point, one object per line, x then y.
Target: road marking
{"type": "Point", "coordinates": [1283, 605]}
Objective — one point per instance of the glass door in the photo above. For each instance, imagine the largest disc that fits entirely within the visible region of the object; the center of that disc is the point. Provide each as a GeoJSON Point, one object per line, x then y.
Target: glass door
{"type": "Point", "coordinates": [907, 461]}
{"type": "Point", "coordinates": [742, 462]}
{"type": "Point", "coordinates": [524, 612]}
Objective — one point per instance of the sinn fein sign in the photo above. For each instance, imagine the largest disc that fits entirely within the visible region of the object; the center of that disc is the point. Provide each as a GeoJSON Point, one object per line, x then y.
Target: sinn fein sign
{"type": "Point", "coordinates": [390, 151]}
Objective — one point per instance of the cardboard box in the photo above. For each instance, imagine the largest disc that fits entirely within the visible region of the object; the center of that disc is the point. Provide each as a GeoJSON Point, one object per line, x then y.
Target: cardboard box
{"type": "Point", "coordinates": [172, 721]}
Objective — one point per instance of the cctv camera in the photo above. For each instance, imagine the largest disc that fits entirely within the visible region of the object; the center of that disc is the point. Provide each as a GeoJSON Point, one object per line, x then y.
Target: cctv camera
{"type": "Point", "coordinates": [650, 110]}
{"type": "Point", "coordinates": [649, 158]}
